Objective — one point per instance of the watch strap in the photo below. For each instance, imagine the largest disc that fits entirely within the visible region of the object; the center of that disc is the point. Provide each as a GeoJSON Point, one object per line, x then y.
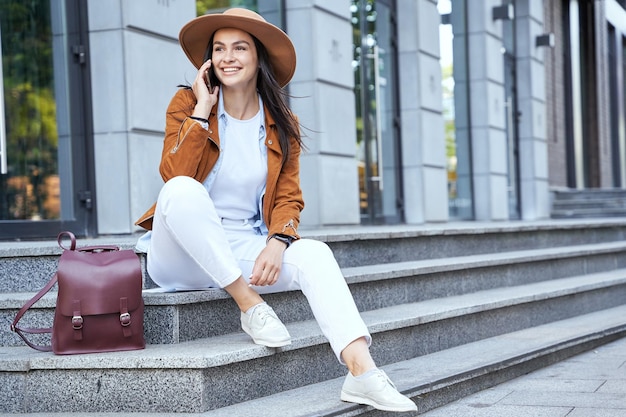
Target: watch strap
{"type": "Point", "coordinates": [287, 240]}
{"type": "Point", "coordinates": [203, 122]}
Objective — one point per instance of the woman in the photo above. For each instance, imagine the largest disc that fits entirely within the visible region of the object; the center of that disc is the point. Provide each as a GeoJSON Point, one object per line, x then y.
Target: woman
{"type": "Point", "coordinates": [228, 213]}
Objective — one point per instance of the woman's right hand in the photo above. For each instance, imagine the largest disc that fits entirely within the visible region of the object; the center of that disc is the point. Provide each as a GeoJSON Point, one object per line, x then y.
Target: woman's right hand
{"type": "Point", "coordinates": [206, 99]}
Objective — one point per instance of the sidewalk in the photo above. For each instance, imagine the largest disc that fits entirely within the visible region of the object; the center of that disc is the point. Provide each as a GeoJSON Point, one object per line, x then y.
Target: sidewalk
{"type": "Point", "coordinates": [592, 384]}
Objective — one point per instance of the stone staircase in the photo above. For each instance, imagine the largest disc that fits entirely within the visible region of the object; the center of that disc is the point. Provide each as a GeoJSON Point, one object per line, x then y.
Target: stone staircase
{"type": "Point", "coordinates": [588, 203]}
{"type": "Point", "coordinates": [452, 309]}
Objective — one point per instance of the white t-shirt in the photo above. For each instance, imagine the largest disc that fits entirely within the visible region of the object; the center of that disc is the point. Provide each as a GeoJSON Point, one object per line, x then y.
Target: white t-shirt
{"type": "Point", "coordinates": [241, 178]}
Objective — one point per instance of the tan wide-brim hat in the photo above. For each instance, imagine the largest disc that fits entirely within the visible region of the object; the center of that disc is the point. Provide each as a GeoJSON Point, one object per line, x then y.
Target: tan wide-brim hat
{"type": "Point", "coordinates": [194, 39]}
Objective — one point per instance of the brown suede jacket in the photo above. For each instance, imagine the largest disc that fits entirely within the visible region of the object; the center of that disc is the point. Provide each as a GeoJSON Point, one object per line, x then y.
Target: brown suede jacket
{"type": "Point", "coordinates": [192, 151]}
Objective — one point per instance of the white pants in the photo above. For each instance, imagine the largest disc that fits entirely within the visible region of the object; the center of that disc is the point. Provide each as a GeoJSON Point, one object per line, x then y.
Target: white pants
{"type": "Point", "coordinates": [191, 248]}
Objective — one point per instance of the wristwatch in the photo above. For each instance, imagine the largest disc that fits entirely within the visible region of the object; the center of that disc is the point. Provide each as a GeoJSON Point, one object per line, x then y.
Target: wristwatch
{"type": "Point", "coordinates": [287, 240]}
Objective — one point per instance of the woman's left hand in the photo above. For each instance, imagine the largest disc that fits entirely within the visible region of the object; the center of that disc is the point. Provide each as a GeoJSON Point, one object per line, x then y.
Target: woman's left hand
{"type": "Point", "coordinates": [267, 265]}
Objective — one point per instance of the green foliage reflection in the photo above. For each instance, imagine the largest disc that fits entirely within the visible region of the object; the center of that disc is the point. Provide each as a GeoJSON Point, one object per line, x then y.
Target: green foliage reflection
{"type": "Point", "coordinates": [30, 189]}
{"type": "Point", "coordinates": [215, 6]}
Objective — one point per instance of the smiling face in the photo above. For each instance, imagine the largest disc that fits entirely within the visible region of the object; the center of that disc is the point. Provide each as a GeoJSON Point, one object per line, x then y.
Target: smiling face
{"type": "Point", "coordinates": [234, 58]}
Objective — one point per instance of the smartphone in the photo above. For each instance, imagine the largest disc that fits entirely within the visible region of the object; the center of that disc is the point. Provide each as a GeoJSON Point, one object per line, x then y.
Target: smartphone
{"type": "Point", "coordinates": [208, 80]}
{"type": "Point", "coordinates": [211, 79]}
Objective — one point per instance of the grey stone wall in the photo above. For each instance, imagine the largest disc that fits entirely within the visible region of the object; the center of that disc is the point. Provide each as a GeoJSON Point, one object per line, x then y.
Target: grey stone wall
{"type": "Point", "coordinates": [136, 64]}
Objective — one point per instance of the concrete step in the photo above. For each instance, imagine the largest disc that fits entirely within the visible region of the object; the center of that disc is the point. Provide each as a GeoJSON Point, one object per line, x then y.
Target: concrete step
{"type": "Point", "coordinates": [183, 316]}
{"type": "Point", "coordinates": [590, 194]}
{"type": "Point", "coordinates": [220, 371]}
{"type": "Point", "coordinates": [431, 379]}
{"type": "Point", "coordinates": [371, 246]}
{"type": "Point", "coordinates": [27, 266]}
{"type": "Point", "coordinates": [604, 203]}
{"type": "Point", "coordinates": [587, 213]}
{"type": "Point", "coordinates": [442, 377]}
{"type": "Point", "coordinates": [591, 203]}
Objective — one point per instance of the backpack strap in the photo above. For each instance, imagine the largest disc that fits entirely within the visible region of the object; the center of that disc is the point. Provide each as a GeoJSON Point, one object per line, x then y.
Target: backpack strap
{"type": "Point", "coordinates": [20, 331]}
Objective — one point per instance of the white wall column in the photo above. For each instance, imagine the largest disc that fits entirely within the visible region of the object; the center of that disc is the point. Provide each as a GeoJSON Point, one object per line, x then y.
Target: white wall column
{"type": "Point", "coordinates": [488, 112]}
{"type": "Point", "coordinates": [423, 141]}
{"type": "Point", "coordinates": [323, 90]}
{"type": "Point", "coordinates": [531, 96]}
{"type": "Point", "coordinates": [136, 64]}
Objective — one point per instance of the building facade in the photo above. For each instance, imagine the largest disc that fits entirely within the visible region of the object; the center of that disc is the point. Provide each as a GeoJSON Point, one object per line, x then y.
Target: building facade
{"type": "Point", "coordinates": [413, 111]}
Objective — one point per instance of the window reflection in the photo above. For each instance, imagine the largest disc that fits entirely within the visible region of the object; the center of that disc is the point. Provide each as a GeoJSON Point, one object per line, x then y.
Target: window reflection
{"type": "Point", "coordinates": [30, 188]}
{"type": "Point", "coordinates": [455, 82]}
{"type": "Point", "coordinates": [378, 145]}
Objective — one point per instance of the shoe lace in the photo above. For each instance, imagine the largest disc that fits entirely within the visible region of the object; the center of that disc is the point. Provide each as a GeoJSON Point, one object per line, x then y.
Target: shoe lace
{"type": "Point", "coordinates": [383, 376]}
{"type": "Point", "coordinates": [263, 313]}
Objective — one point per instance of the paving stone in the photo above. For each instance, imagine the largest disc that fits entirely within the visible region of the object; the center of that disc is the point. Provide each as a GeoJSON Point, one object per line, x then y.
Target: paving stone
{"type": "Point", "coordinates": [571, 399]}
{"type": "Point", "coordinates": [555, 385]}
{"type": "Point", "coordinates": [594, 412]}
{"type": "Point", "coordinates": [465, 410]}
{"type": "Point", "coordinates": [592, 384]}
{"type": "Point", "coordinates": [615, 386]}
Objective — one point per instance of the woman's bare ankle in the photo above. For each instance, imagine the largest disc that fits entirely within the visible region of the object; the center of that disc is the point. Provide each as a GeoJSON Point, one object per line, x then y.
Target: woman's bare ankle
{"type": "Point", "coordinates": [244, 296]}
{"type": "Point", "coordinates": [357, 357]}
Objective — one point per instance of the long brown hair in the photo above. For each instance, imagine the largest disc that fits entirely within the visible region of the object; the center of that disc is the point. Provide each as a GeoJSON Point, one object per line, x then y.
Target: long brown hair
{"type": "Point", "coordinates": [274, 97]}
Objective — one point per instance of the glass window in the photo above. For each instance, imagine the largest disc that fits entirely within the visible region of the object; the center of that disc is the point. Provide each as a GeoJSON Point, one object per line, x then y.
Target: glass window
{"type": "Point", "coordinates": [217, 6]}
{"type": "Point", "coordinates": [30, 185]}
{"type": "Point", "coordinates": [614, 116]}
{"type": "Point", "coordinates": [455, 80]}
{"type": "Point", "coordinates": [271, 10]}
{"type": "Point", "coordinates": [46, 168]}
{"type": "Point", "coordinates": [378, 147]}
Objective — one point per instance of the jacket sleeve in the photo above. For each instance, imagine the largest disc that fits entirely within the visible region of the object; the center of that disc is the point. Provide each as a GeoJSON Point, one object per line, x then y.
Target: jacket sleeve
{"type": "Point", "coordinates": [288, 201]}
{"type": "Point", "coordinates": [185, 139]}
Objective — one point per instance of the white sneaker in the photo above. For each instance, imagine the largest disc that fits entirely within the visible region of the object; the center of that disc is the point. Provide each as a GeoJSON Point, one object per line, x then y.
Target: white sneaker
{"type": "Point", "coordinates": [374, 388]}
{"type": "Point", "coordinates": [264, 327]}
